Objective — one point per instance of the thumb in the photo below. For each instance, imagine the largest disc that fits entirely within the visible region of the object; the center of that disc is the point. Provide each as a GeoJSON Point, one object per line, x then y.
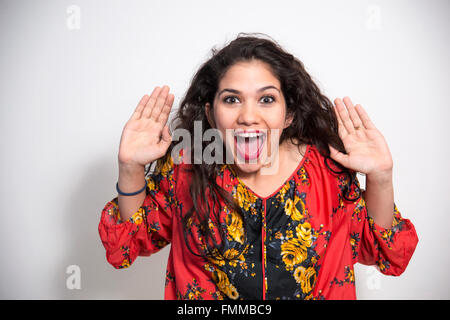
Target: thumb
{"type": "Point", "coordinates": [338, 156]}
{"type": "Point", "coordinates": [166, 138]}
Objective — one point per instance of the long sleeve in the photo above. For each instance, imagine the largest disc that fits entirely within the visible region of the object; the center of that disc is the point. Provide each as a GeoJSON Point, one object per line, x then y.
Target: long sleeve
{"type": "Point", "coordinates": [389, 248]}
{"type": "Point", "coordinates": [146, 231]}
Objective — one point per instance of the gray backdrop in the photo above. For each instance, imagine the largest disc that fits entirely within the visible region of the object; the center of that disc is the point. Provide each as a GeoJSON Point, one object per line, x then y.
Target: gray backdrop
{"type": "Point", "coordinates": [72, 73]}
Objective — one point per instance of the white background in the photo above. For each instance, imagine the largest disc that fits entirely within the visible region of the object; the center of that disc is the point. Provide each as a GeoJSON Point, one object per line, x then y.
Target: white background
{"type": "Point", "coordinates": [67, 89]}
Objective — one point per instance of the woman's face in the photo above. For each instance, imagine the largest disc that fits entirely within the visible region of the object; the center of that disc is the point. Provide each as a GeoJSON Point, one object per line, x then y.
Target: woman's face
{"type": "Point", "coordinates": [250, 113]}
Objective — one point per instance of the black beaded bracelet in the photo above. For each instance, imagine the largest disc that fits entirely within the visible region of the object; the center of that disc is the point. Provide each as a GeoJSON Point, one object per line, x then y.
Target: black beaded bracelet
{"type": "Point", "coordinates": [130, 194]}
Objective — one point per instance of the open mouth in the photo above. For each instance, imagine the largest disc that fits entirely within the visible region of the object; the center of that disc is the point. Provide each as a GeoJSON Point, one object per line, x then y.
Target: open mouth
{"type": "Point", "coordinates": [249, 144]}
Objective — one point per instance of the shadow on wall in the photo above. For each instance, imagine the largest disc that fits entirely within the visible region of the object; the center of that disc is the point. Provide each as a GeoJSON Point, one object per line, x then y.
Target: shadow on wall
{"type": "Point", "coordinates": [144, 279]}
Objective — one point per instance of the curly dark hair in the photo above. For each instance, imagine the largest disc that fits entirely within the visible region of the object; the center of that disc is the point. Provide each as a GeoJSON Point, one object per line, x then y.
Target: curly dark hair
{"type": "Point", "coordinates": [314, 122]}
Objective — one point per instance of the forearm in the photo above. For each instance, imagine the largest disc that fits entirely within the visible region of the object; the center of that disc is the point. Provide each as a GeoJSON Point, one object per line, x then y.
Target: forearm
{"type": "Point", "coordinates": [379, 197]}
{"type": "Point", "coordinates": [131, 179]}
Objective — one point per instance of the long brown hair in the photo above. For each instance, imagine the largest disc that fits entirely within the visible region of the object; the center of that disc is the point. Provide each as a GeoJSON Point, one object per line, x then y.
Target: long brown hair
{"type": "Point", "coordinates": [314, 122]}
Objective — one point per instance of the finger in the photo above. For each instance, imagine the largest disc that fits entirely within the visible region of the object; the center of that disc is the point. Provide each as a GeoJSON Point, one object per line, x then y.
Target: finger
{"type": "Point", "coordinates": [343, 113]}
{"type": "Point", "coordinates": [160, 101]}
{"type": "Point", "coordinates": [342, 130]}
{"type": "Point", "coordinates": [357, 123]}
{"type": "Point", "coordinates": [150, 103]}
{"type": "Point", "coordinates": [368, 124]}
{"type": "Point", "coordinates": [140, 107]}
{"type": "Point", "coordinates": [165, 112]}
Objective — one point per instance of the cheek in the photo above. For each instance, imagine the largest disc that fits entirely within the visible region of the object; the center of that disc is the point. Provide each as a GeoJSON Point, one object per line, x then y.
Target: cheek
{"type": "Point", "coordinates": [223, 119]}
{"type": "Point", "coordinates": [276, 118]}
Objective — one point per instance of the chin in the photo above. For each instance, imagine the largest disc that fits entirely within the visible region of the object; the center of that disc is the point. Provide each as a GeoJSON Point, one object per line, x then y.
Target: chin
{"type": "Point", "coordinates": [248, 167]}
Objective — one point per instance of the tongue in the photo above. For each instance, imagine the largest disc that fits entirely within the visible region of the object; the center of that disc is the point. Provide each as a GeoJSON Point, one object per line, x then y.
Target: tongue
{"type": "Point", "coordinates": [248, 148]}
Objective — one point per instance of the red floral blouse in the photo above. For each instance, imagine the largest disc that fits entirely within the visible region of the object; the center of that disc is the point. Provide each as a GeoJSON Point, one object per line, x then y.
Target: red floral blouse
{"type": "Point", "coordinates": [305, 237]}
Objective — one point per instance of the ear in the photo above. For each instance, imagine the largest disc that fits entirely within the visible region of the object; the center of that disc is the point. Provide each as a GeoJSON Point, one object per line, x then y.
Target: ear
{"type": "Point", "coordinates": [288, 121]}
{"type": "Point", "coordinates": [209, 115]}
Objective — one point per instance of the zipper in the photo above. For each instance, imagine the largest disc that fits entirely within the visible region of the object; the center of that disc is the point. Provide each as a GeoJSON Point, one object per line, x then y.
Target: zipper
{"type": "Point", "coordinates": [263, 238]}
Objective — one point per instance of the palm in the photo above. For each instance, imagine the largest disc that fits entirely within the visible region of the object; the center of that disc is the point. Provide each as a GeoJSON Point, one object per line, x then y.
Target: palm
{"type": "Point", "coordinates": [367, 150]}
{"type": "Point", "coordinates": [146, 137]}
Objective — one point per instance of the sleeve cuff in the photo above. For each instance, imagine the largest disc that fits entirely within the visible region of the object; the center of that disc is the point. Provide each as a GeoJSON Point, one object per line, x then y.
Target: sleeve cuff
{"type": "Point", "coordinates": [388, 234]}
{"type": "Point", "coordinates": [114, 214]}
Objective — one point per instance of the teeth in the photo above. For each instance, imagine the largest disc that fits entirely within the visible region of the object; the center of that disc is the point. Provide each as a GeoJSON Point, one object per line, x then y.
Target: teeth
{"type": "Point", "coordinates": [248, 134]}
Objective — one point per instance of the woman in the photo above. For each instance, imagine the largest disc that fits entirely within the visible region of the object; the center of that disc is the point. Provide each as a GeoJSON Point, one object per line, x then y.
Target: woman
{"type": "Point", "coordinates": [285, 219]}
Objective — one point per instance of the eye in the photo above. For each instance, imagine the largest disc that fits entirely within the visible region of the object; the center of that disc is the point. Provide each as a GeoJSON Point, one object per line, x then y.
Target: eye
{"type": "Point", "coordinates": [230, 99]}
{"type": "Point", "coordinates": [268, 99]}
{"type": "Point", "coordinates": [234, 99]}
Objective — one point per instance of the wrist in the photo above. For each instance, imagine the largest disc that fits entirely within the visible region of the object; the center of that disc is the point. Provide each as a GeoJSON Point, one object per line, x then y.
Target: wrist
{"type": "Point", "coordinates": [131, 169]}
{"type": "Point", "coordinates": [131, 177]}
{"type": "Point", "coordinates": [380, 177]}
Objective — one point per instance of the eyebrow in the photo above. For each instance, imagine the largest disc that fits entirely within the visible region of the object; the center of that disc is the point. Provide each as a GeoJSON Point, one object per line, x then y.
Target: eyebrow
{"type": "Point", "coordinates": [238, 92]}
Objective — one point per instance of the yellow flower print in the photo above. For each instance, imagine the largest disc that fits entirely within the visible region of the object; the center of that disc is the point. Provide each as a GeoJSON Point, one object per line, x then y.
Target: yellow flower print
{"type": "Point", "coordinates": [208, 267]}
{"type": "Point", "coordinates": [231, 254]}
{"type": "Point", "coordinates": [284, 190]}
{"type": "Point", "coordinates": [381, 265]}
{"type": "Point", "coordinates": [306, 277]}
{"type": "Point", "coordinates": [189, 222]}
{"type": "Point", "coordinates": [293, 252]}
{"type": "Point", "coordinates": [125, 263]}
{"type": "Point", "coordinates": [243, 197]}
{"type": "Point", "coordinates": [341, 202]}
{"type": "Point", "coordinates": [166, 166]}
{"type": "Point", "coordinates": [397, 218]}
{"type": "Point", "coordinates": [218, 262]}
{"type": "Point", "coordinates": [240, 195]}
{"type": "Point", "coordinates": [224, 285]}
{"type": "Point", "coordinates": [350, 276]}
{"type": "Point", "coordinates": [289, 234]}
{"type": "Point", "coordinates": [386, 234]}
{"type": "Point", "coordinates": [304, 234]}
{"type": "Point", "coordinates": [298, 274]}
{"type": "Point", "coordinates": [151, 184]}
{"type": "Point", "coordinates": [291, 209]}
{"type": "Point", "coordinates": [304, 176]}
{"type": "Point", "coordinates": [211, 226]}
{"type": "Point", "coordinates": [299, 213]}
{"type": "Point", "coordinates": [234, 256]}
{"type": "Point", "coordinates": [362, 202]}
{"type": "Point", "coordinates": [234, 226]}
{"type": "Point", "coordinates": [137, 218]}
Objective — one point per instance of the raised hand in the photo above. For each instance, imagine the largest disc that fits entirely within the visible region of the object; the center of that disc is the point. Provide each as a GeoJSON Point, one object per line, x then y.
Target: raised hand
{"type": "Point", "coordinates": [146, 136]}
{"type": "Point", "coordinates": [367, 150]}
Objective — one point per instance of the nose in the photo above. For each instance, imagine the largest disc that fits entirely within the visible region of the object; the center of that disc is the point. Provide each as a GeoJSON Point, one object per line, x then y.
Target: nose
{"type": "Point", "coordinates": [248, 115]}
